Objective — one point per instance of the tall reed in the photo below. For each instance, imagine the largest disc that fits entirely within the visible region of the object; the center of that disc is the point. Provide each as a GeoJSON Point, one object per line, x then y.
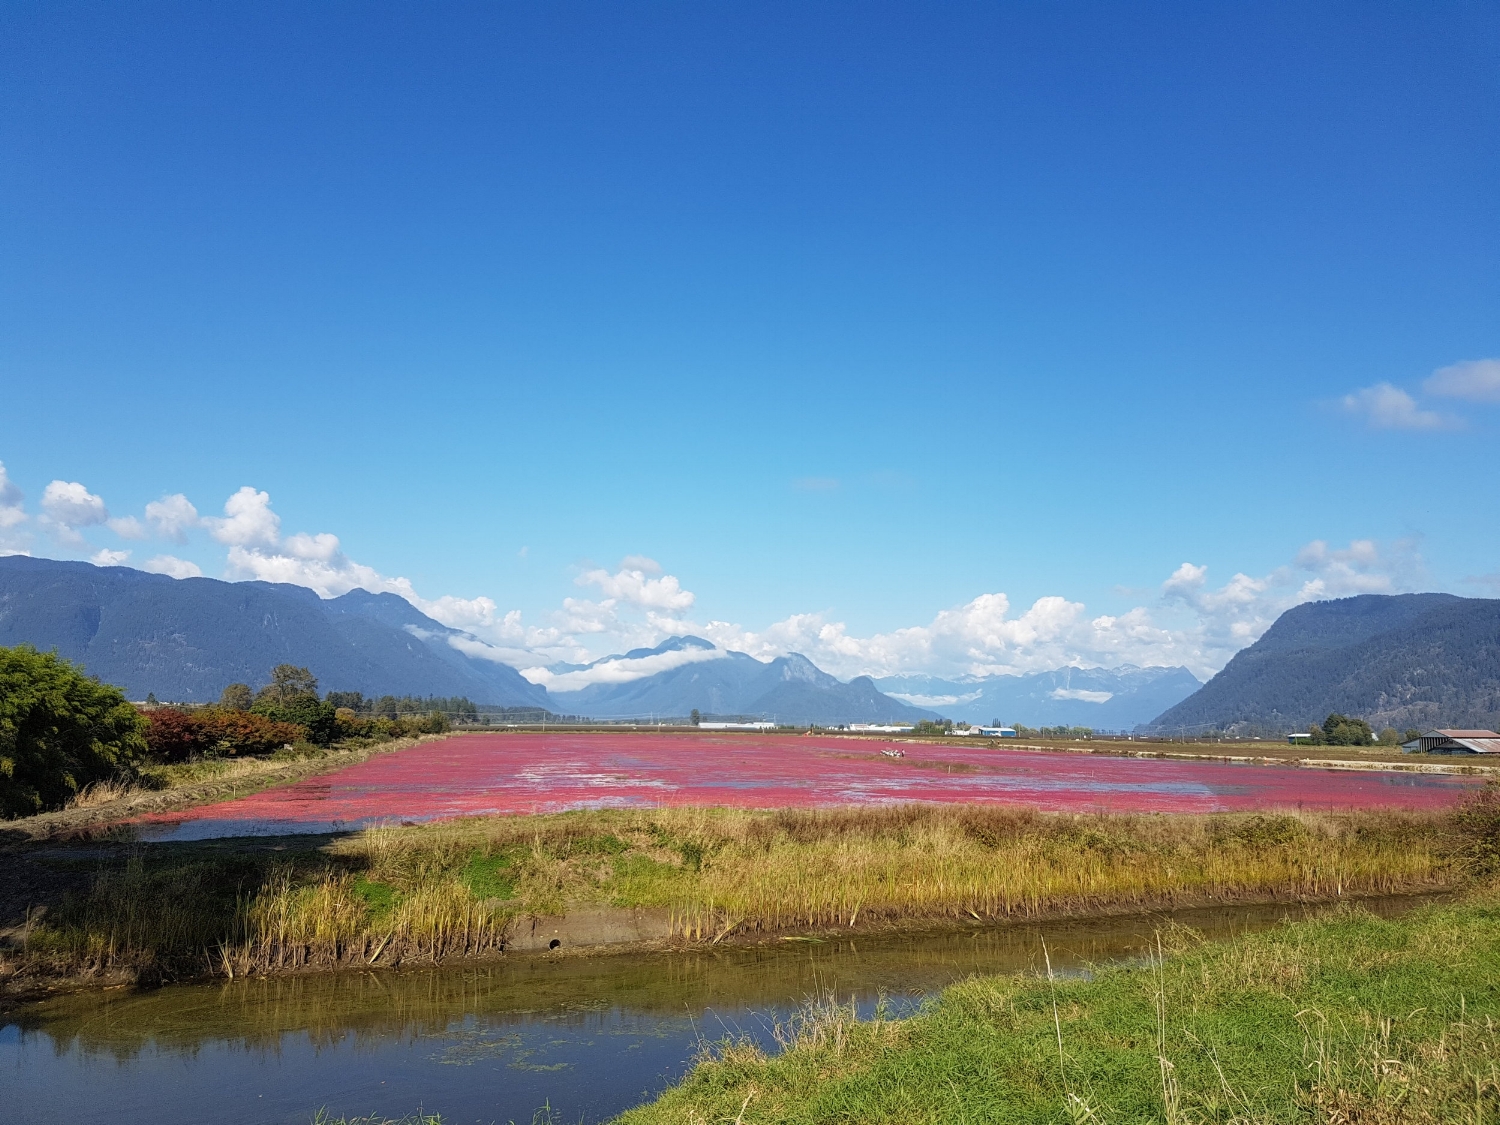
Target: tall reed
{"type": "Point", "coordinates": [431, 892]}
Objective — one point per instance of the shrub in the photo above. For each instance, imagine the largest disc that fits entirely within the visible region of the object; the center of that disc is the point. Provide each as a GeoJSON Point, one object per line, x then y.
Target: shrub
{"type": "Point", "coordinates": [175, 736]}
{"type": "Point", "coordinates": [1478, 829]}
{"type": "Point", "coordinates": [318, 719]}
{"type": "Point", "coordinates": [1341, 730]}
{"type": "Point", "coordinates": [60, 730]}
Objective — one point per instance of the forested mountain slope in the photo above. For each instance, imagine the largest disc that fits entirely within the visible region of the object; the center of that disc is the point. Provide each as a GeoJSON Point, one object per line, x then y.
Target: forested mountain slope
{"type": "Point", "coordinates": [185, 639]}
{"type": "Point", "coordinates": [1405, 660]}
{"type": "Point", "coordinates": [789, 689]}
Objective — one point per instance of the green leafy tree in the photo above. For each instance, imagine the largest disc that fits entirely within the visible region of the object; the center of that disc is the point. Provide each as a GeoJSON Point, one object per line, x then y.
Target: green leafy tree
{"type": "Point", "coordinates": [236, 697]}
{"type": "Point", "coordinates": [695, 718]}
{"type": "Point", "coordinates": [318, 717]}
{"type": "Point", "coordinates": [1340, 730]}
{"type": "Point", "coordinates": [292, 697]}
{"type": "Point", "coordinates": [288, 682]}
{"type": "Point", "coordinates": [60, 730]}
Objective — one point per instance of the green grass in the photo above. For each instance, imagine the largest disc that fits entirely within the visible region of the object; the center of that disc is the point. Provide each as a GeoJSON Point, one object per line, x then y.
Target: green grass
{"type": "Point", "coordinates": [441, 890]}
{"type": "Point", "coordinates": [490, 876]}
{"type": "Point", "coordinates": [1347, 1021]}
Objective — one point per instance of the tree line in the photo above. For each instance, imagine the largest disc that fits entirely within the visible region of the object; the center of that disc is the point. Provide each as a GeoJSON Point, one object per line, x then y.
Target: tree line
{"type": "Point", "coordinates": [62, 730]}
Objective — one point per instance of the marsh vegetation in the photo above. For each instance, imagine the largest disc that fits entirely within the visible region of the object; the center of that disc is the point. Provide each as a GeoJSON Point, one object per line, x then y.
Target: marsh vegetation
{"type": "Point", "coordinates": [386, 895]}
{"type": "Point", "coordinates": [1349, 1019]}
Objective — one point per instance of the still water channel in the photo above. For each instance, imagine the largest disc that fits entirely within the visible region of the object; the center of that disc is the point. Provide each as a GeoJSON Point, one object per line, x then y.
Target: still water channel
{"type": "Point", "coordinates": [494, 1042]}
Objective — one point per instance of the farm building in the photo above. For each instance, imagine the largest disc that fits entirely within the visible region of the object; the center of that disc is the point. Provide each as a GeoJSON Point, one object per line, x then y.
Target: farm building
{"type": "Point", "coordinates": [1454, 742]}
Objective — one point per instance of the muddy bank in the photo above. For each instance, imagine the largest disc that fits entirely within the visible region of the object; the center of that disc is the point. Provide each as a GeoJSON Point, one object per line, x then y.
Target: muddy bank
{"type": "Point", "coordinates": [605, 931]}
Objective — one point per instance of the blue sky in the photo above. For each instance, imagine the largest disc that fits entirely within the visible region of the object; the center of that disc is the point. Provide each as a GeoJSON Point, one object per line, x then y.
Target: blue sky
{"type": "Point", "coordinates": [841, 320]}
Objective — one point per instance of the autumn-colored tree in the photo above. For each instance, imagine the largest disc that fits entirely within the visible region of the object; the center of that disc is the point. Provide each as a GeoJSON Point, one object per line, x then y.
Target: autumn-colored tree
{"type": "Point", "coordinates": [176, 735]}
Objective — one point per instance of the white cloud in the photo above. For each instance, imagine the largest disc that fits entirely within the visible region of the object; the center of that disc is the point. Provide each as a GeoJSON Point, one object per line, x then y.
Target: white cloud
{"type": "Point", "coordinates": [12, 515]}
{"type": "Point", "coordinates": [631, 584]}
{"type": "Point", "coordinates": [106, 557]}
{"type": "Point", "coordinates": [172, 567]}
{"type": "Point", "coordinates": [68, 502]}
{"type": "Point", "coordinates": [127, 527]}
{"type": "Point", "coordinates": [640, 562]}
{"type": "Point", "coordinates": [1194, 622]}
{"type": "Point", "coordinates": [67, 506]}
{"type": "Point", "coordinates": [622, 670]}
{"type": "Point", "coordinates": [1388, 407]}
{"type": "Point", "coordinates": [1473, 380]}
{"type": "Point", "coordinates": [172, 517]}
{"type": "Point", "coordinates": [1081, 696]}
{"type": "Point", "coordinates": [248, 520]}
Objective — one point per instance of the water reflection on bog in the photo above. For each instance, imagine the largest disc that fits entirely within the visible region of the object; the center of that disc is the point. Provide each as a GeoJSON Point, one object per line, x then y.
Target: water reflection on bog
{"type": "Point", "coordinates": [494, 1042]}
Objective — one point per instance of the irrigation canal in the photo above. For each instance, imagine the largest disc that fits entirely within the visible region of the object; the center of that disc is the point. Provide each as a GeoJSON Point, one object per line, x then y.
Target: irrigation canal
{"type": "Point", "coordinates": [495, 1042]}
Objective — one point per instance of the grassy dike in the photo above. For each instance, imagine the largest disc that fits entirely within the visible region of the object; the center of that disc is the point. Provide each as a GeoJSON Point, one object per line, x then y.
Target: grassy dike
{"type": "Point", "coordinates": [1348, 1020]}
{"type": "Point", "coordinates": [379, 897]}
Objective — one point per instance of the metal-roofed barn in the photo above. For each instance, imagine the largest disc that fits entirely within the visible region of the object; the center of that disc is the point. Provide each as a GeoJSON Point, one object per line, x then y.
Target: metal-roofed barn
{"type": "Point", "coordinates": [1454, 742]}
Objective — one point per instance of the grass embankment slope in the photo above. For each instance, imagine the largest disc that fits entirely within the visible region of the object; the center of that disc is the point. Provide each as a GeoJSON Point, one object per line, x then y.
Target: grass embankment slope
{"type": "Point", "coordinates": [1343, 1020]}
{"type": "Point", "coordinates": [430, 892]}
{"type": "Point", "coordinates": [164, 787]}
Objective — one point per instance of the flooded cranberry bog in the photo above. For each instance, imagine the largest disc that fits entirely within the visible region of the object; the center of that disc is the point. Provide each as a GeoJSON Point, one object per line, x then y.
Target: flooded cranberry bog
{"type": "Point", "coordinates": [493, 1035]}
{"type": "Point", "coordinates": [531, 772]}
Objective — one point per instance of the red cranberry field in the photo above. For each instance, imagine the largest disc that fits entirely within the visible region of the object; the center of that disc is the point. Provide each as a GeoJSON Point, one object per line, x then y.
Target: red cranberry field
{"type": "Point", "coordinates": [519, 773]}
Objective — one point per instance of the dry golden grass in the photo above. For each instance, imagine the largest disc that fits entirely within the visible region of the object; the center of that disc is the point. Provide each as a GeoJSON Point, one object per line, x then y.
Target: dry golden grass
{"type": "Point", "coordinates": [451, 889]}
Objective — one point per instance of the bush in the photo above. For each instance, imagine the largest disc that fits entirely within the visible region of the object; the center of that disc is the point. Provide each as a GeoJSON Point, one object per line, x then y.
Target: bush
{"type": "Point", "coordinates": [1478, 830]}
{"type": "Point", "coordinates": [1340, 730]}
{"type": "Point", "coordinates": [60, 730]}
{"type": "Point", "coordinates": [175, 736]}
{"type": "Point", "coordinates": [318, 719]}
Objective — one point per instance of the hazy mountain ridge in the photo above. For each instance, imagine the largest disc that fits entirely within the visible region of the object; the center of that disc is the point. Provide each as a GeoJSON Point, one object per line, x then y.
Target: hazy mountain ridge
{"type": "Point", "coordinates": [788, 689]}
{"type": "Point", "coordinates": [1103, 698]}
{"type": "Point", "coordinates": [185, 639]}
{"type": "Point", "coordinates": [1403, 660]}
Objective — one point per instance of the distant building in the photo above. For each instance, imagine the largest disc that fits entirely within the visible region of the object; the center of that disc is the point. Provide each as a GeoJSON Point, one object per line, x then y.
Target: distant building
{"type": "Point", "coordinates": [736, 726]}
{"type": "Point", "coordinates": [1454, 742]}
{"type": "Point", "coordinates": [1295, 739]}
{"type": "Point", "coordinates": [998, 732]}
{"type": "Point", "coordinates": [876, 728]}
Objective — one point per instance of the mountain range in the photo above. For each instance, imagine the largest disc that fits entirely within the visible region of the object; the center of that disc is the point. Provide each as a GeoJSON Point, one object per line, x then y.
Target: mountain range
{"type": "Point", "coordinates": [186, 639]}
{"type": "Point", "coordinates": [717, 682]}
{"type": "Point", "coordinates": [1402, 660]}
{"type": "Point", "coordinates": [1102, 698]}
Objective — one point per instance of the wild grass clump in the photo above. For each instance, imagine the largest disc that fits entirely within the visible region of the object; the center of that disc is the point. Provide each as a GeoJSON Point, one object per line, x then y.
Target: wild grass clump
{"type": "Point", "coordinates": [1348, 1020]}
{"type": "Point", "coordinates": [430, 892]}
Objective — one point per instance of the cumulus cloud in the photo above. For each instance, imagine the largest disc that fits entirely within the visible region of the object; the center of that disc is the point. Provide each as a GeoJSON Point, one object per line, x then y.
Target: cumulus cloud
{"type": "Point", "coordinates": [1194, 621]}
{"type": "Point", "coordinates": [12, 515]}
{"type": "Point", "coordinates": [172, 567]}
{"type": "Point", "coordinates": [68, 506]}
{"type": "Point", "coordinates": [127, 527]}
{"type": "Point", "coordinates": [1473, 380]}
{"type": "Point", "coordinates": [1388, 407]}
{"type": "Point", "coordinates": [316, 560]}
{"type": "Point", "coordinates": [247, 521]}
{"type": "Point", "coordinates": [631, 583]}
{"type": "Point", "coordinates": [172, 517]}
